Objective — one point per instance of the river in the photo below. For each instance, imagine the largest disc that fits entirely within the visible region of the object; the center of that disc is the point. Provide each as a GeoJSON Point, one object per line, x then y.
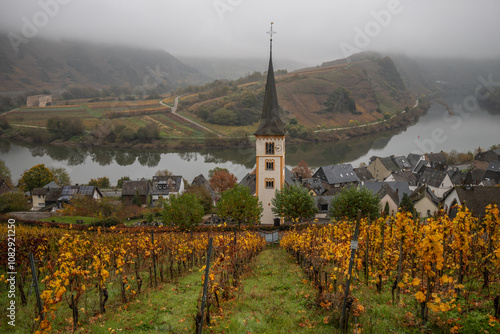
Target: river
{"type": "Point", "coordinates": [469, 128]}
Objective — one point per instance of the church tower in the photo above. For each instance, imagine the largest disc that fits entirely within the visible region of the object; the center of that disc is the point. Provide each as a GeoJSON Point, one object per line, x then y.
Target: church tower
{"type": "Point", "coordinates": [270, 146]}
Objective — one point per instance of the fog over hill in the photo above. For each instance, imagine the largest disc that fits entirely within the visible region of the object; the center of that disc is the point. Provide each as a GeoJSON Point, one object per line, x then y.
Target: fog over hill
{"type": "Point", "coordinates": [49, 64]}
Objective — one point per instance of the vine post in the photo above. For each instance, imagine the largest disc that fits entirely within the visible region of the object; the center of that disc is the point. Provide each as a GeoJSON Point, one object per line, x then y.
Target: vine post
{"type": "Point", "coordinates": [354, 246]}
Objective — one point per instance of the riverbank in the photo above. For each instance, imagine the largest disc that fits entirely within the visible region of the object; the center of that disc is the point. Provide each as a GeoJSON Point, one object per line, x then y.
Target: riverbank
{"type": "Point", "coordinates": [40, 135]}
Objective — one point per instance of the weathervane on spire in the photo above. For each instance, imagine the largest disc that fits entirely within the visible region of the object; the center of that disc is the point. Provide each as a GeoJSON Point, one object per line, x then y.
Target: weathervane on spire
{"type": "Point", "coordinates": [271, 33]}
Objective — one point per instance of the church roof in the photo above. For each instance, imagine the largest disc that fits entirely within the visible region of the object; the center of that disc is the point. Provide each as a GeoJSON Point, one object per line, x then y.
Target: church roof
{"type": "Point", "coordinates": [270, 123]}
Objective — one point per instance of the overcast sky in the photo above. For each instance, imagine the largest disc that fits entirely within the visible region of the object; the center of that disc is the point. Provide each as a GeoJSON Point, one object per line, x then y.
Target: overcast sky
{"type": "Point", "coordinates": [311, 31]}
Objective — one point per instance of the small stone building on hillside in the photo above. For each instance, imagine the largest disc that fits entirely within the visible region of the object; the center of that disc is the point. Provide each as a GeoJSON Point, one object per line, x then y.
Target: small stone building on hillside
{"type": "Point", "coordinates": [39, 101]}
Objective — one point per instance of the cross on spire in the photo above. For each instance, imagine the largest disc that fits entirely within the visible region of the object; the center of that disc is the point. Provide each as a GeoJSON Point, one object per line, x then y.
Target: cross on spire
{"type": "Point", "coordinates": [271, 33]}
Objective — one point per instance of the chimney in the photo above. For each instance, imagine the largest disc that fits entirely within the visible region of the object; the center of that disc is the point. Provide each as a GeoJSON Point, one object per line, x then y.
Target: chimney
{"type": "Point", "coordinates": [397, 191]}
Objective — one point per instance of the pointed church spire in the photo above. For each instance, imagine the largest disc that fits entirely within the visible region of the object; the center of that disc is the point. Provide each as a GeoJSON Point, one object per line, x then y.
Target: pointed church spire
{"type": "Point", "coordinates": [270, 123]}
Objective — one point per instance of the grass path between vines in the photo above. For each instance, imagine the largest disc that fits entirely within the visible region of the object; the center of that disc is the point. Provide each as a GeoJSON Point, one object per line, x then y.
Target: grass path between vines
{"type": "Point", "coordinates": [272, 298]}
{"type": "Point", "coordinates": [167, 309]}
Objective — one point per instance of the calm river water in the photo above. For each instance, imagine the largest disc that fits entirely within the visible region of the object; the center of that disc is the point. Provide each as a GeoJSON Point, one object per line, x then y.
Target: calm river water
{"type": "Point", "coordinates": [471, 127]}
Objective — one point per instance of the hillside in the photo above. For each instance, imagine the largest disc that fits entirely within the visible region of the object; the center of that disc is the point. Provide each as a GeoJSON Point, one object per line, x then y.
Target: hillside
{"type": "Point", "coordinates": [55, 65]}
{"type": "Point", "coordinates": [235, 68]}
{"type": "Point", "coordinates": [309, 97]}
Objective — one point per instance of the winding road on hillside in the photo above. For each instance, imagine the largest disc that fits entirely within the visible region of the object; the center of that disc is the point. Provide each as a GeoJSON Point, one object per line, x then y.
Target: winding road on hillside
{"type": "Point", "coordinates": [174, 112]}
{"type": "Point", "coordinates": [365, 124]}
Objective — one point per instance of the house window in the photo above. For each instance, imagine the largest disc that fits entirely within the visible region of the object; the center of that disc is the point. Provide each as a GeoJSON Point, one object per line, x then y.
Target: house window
{"type": "Point", "coordinates": [269, 183]}
{"type": "Point", "coordinates": [269, 164]}
{"type": "Point", "coordinates": [269, 148]}
{"type": "Point", "coordinates": [324, 207]}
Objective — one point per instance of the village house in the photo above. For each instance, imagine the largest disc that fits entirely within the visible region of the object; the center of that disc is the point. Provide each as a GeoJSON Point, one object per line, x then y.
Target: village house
{"type": "Point", "coordinates": [315, 186]}
{"type": "Point", "coordinates": [493, 172]}
{"type": "Point", "coordinates": [337, 176]}
{"type": "Point", "coordinates": [476, 198]}
{"type": "Point", "coordinates": [140, 189]}
{"type": "Point", "coordinates": [68, 193]}
{"type": "Point", "coordinates": [382, 167]}
{"type": "Point", "coordinates": [399, 187]}
{"type": "Point", "coordinates": [388, 197]}
{"type": "Point", "coordinates": [438, 181]}
{"type": "Point", "coordinates": [436, 160]}
{"type": "Point", "coordinates": [406, 176]}
{"type": "Point", "coordinates": [4, 187]}
{"type": "Point", "coordinates": [45, 197]}
{"type": "Point", "coordinates": [201, 181]}
{"type": "Point", "coordinates": [363, 174]}
{"type": "Point", "coordinates": [425, 202]}
{"type": "Point", "coordinates": [489, 156]}
{"type": "Point", "coordinates": [164, 186]}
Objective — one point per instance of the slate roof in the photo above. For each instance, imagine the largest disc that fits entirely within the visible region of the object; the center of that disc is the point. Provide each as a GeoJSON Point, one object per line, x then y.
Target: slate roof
{"type": "Point", "coordinates": [39, 191]}
{"type": "Point", "coordinates": [289, 178]}
{"type": "Point", "coordinates": [456, 176]}
{"type": "Point", "coordinates": [250, 181]}
{"type": "Point", "coordinates": [315, 184]}
{"type": "Point", "coordinates": [390, 164]}
{"type": "Point", "coordinates": [413, 159]}
{"type": "Point", "coordinates": [493, 171]}
{"type": "Point", "coordinates": [337, 174]}
{"type": "Point", "coordinates": [51, 184]}
{"type": "Point", "coordinates": [270, 123]}
{"type": "Point", "coordinates": [322, 200]}
{"type": "Point", "coordinates": [53, 194]}
{"type": "Point", "coordinates": [491, 155]}
{"type": "Point", "coordinates": [387, 190]}
{"type": "Point", "coordinates": [201, 180]}
{"type": "Point", "coordinates": [494, 166]}
{"type": "Point", "coordinates": [436, 157]}
{"type": "Point", "coordinates": [477, 198]}
{"type": "Point", "coordinates": [421, 192]}
{"type": "Point", "coordinates": [363, 174]}
{"type": "Point", "coordinates": [432, 177]}
{"type": "Point", "coordinates": [402, 162]}
{"type": "Point", "coordinates": [406, 176]}
{"type": "Point", "coordinates": [168, 184]}
{"type": "Point", "coordinates": [130, 188]}
{"type": "Point", "coordinates": [400, 187]}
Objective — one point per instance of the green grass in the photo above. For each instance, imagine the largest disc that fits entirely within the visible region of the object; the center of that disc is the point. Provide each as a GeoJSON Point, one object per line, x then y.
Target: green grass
{"type": "Point", "coordinates": [168, 309]}
{"type": "Point", "coordinates": [70, 219]}
{"type": "Point", "coordinates": [92, 112]}
{"type": "Point", "coordinates": [272, 299]}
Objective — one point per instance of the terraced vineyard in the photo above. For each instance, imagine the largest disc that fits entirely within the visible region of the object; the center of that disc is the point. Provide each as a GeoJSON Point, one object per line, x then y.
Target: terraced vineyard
{"type": "Point", "coordinates": [131, 114]}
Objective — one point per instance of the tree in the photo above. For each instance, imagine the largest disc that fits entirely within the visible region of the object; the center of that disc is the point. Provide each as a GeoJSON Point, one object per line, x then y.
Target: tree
{"type": "Point", "coordinates": [352, 199]}
{"type": "Point", "coordinates": [203, 196]}
{"type": "Point", "coordinates": [238, 205]}
{"type": "Point", "coordinates": [61, 176]}
{"type": "Point", "coordinates": [37, 177]}
{"type": "Point", "coordinates": [406, 204]}
{"type": "Point", "coordinates": [13, 201]}
{"type": "Point", "coordinates": [183, 210]}
{"type": "Point", "coordinates": [216, 169]}
{"type": "Point", "coordinates": [222, 180]}
{"type": "Point", "coordinates": [5, 173]}
{"type": "Point", "coordinates": [294, 202]}
{"type": "Point", "coordinates": [163, 172]}
{"type": "Point", "coordinates": [136, 200]}
{"type": "Point", "coordinates": [100, 182]}
{"type": "Point", "coordinates": [119, 184]}
{"type": "Point", "coordinates": [302, 171]}
{"type": "Point", "coordinates": [65, 128]}
{"type": "Point", "coordinates": [386, 209]}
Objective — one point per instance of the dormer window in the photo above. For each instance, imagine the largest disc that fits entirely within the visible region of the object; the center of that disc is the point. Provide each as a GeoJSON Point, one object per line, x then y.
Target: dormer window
{"type": "Point", "coordinates": [269, 148]}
